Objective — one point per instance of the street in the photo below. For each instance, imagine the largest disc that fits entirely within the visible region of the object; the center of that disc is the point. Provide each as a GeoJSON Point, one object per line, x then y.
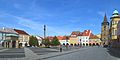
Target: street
{"type": "Point", "coordinates": [94, 53]}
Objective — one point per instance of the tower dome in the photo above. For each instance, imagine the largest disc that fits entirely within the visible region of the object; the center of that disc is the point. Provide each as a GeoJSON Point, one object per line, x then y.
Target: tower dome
{"type": "Point", "coordinates": [115, 13]}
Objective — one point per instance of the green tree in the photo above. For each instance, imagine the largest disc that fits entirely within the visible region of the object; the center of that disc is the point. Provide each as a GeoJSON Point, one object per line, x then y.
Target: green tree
{"type": "Point", "coordinates": [46, 42]}
{"type": "Point", "coordinates": [55, 41]}
{"type": "Point", "coordinates": [33, 41]}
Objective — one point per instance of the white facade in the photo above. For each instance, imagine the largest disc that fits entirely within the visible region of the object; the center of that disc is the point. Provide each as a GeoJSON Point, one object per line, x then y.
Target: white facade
{"type": "Point", "coordinates": [84, 40]}
{"type": "Point", "coordinates": [24, 39]}
{"type": "Point", "coordinates": [39, 39]}
{"type": "Point", "coordinates": [64, 42]}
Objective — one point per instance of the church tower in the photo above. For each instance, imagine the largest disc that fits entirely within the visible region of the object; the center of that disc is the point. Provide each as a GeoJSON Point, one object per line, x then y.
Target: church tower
{"type": "Point", "coordinates": [105, 31]}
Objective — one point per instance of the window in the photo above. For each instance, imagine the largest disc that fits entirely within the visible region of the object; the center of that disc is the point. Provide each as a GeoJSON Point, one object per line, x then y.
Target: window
{"type": "Point", "coordinates": [0, 36]}
{"type": "Point", "coordinates": [86, 37]}
{"type": "Point", "coordinates": [89, 40]}
{"type": "Point", "coordinates": [104, 27]}
{"type": "Point", "coordinates": [115, 22]}
{"type": "Point", "coordinates": [112, 32]}
{"type": "Point", "coordinates": [83, 41]}
{"type": "Point", "coordinates": [115, 32]}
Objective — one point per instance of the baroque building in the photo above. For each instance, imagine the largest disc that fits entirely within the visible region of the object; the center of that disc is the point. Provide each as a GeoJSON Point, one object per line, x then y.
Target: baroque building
{"type": "Point", "coordinates": [118, 36]}
{"type": "Point", "coordinates": [105, 31]}
{"type": "Point", "coordinates": [113, 26]}
{"type": "Point", "coordinates": [13, 38]}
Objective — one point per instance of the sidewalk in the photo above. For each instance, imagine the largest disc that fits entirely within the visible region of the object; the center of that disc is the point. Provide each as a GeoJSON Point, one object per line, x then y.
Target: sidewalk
{"type": "Point", "coordinates": [2, 49]}
{"type": "Point", "coordinates": [114, 52]}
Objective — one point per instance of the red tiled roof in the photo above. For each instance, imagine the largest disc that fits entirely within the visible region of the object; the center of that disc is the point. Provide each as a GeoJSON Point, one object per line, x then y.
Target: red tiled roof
{"type": "Point", "coordinates": [65, 37]}
{"type": "Point", "coordinates": [77, 33]}
{"type": "Point", "coordinates": [92, 36]}
{"type": "Point", "coordinates": [62, 37]}
{"type": "Point", "coordinates": [86, 33]}
{"type": "Point", "coordinates": [50, 37]}
{"type": "Point", "coordinates": [21, 32]}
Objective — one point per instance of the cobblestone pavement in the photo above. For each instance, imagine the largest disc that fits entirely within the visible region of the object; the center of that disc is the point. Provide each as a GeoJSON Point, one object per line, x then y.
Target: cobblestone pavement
{"type": "Point", "coordinates": [12, 53]}
{"type": "Point", "coordinates": [54, 54]}
{"type": "Point", "coordinates": [27, 53]}
{"type": "Point", "coordinates": [93, 53]}
{"type": "Point", "coordinates": [42, 51]}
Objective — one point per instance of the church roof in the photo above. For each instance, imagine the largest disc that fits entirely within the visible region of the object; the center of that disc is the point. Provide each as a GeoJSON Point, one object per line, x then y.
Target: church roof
{"type": "Point", "coordinates": [105, 18]}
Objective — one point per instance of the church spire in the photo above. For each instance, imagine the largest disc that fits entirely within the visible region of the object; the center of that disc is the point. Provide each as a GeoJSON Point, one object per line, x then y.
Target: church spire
{"type": "Point", "coordinates": [105, 18]}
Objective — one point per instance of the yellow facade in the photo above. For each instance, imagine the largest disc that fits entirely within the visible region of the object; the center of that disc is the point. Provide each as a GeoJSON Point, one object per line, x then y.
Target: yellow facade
{"type": "Point", "coordinates": [113, 27]}
{"type": "Point", "coordinates": [73, 40]}
{"type": "Point", "coordinates": [96, 41]}
{"type": "Point", "coordinates": [23, 39]}
{"type": "Point", "coordinates": [98, 35]}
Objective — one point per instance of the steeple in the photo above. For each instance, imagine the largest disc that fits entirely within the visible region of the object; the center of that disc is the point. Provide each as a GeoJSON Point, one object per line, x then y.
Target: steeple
{"type": "Point", "coordinates": [105, 18]}
{"type": "Point", "coordinates": [105, 31]}
{"type": "Point", "coordinates": [105, 22]}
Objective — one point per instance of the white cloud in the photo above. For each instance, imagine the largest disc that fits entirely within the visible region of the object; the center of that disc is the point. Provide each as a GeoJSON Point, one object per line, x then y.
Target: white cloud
{"type": "Point", "coordinates": [101, 13]}
{"type": "Point", "coordinates": [35, 26]}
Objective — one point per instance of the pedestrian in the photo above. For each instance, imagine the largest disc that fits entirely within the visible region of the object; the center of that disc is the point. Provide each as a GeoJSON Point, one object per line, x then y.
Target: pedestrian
{"type": "Point", "coordinates": [60, 49]}
{"type": "Point", "coordinates": [60, 46]}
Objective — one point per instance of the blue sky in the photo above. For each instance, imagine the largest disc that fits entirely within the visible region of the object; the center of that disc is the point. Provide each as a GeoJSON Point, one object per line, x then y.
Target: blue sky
{"type": "Point", "coordinates": [60, 16]}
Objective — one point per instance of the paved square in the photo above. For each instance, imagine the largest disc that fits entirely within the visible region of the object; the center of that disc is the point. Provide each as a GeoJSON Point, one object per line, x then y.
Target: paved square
{"type": "Point", "coordinates": [13, 53]}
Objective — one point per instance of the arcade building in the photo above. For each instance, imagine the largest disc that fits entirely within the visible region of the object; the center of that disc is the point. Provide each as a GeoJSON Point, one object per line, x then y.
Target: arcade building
{"type": "Point", "coordinates": [11, 38]}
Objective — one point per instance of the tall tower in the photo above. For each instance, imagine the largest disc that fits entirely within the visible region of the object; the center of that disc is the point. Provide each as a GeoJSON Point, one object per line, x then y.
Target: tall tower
{"type": "Point", "coordinates": [105, 31]}
{"type": "Point", "coordinates": [113, 25]}
{"type": "Point", "coordinates": [44, 31]}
